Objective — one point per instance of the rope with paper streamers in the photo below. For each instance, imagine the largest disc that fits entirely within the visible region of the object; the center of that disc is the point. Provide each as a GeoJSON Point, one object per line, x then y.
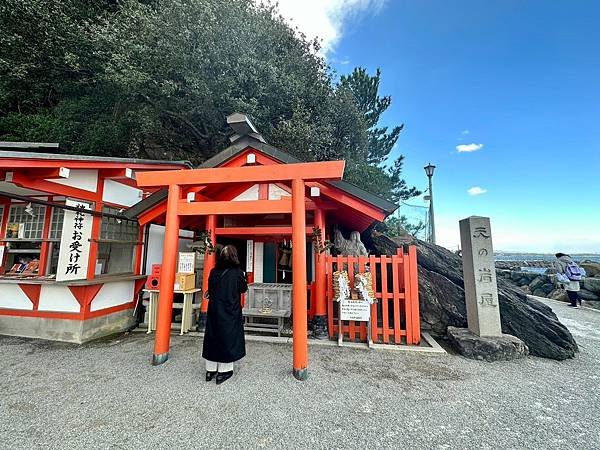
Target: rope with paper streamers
{"type": "Point", "coordinates": [363, 283]}
{"type": "Point", "coordinates": [341, 285]}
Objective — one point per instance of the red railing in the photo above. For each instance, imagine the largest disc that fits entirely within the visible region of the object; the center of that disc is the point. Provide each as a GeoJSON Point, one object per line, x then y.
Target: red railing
{"type": "Point", "coordinates": [395, 315]}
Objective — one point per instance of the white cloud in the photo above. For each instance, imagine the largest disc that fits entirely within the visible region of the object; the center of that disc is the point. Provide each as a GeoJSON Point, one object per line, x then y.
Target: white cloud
{"type": "Point", "coordinates": [464, 132]}
{"type": "Point", "coordinates": [467, 148]}
{"type": "Point", "coordinates": [326, 19]}
{"type": "Point", "coordinates": [476, 190]}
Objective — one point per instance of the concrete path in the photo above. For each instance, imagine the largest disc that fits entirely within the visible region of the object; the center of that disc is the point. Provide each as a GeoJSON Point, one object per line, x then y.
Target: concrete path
{"type": "Point", "coordinates": [106, 395]}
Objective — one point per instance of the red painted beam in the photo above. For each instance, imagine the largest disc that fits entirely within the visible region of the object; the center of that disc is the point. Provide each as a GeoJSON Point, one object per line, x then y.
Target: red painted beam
{"type": "Point", "coordinates": [324, 170]}
{"type": "Point", "coordinates": [22, 180]}
{"type": "Point", "coordinates": [20, 163]}
{"type": "Point", "coordinates": [245, 207]}
{"type": "Point", "coordinates": [42, 174]}
{"type": "Point", "coordinates": [257, 231]}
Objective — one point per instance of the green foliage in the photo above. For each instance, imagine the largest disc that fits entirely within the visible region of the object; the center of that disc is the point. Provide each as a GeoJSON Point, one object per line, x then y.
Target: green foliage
{"type": "Point", "coordinates": [398, 227]}
{"type": "Point", "coordinates": [156, 79]}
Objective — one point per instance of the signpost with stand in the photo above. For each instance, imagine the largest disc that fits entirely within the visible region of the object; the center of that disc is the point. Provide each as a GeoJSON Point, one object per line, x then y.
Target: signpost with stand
{"type": "Point", "coordinates": [358, 310]}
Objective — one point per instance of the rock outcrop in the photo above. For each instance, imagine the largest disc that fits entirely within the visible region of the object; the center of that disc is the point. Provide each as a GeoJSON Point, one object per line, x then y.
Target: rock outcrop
{"type": "Point", "coordinates": [442, 299]}
{"type": "Point", "coordinates": [592, 269]}
{"type": "Point", "coordinates": [494, 348]}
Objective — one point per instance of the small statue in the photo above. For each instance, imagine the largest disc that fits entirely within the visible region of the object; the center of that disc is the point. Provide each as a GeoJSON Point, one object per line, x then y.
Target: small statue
{"type": "Point", "coordinates": [349, 247]}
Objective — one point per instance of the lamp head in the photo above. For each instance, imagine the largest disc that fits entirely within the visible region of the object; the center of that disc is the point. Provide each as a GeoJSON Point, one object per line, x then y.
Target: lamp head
{"type": "Point", "coordinates": [429, 169]}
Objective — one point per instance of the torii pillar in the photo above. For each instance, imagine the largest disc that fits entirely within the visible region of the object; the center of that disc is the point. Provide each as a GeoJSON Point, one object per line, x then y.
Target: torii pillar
{"type": "Point", "coordinates": [320, 318]}
{"type": "Point", "coordinates": [167, 278]}
{"type": "Point", "coordinates": [299, 304]}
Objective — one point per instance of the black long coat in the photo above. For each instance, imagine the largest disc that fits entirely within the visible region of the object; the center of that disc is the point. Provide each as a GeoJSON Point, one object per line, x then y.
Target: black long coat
{"type": "Point", "coordinates": [224, 334]}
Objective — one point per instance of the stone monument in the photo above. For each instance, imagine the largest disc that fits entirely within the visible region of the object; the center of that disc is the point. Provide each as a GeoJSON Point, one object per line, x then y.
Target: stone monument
{"type": "Point", "coordinates": [483, 339]}
{"type": "Point", "coordinates": [481, 290]}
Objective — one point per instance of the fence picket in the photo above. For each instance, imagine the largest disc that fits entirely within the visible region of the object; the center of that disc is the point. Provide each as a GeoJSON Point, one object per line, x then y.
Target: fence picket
{"type": "Point", "coordinates": [385, 296]}
{"type": "Point", "coordinates": [396, 296]}
{"type": "Point", "coordinates": [339, 266]}
{"type": "Point", "coordinates": [374, 321]}
{"type": "Point", "coordinates": [363, 325]}
{"type": "Point", "coordinates": [403, 298]}
{"type": "Point", "coordinates": [414, 290]}
{"type": "Point", "coordinates": [329, 280]}
{"type": "Point", "coordinates": [407, 301]}
{"type": "Point", "coordinates": [351, 327]}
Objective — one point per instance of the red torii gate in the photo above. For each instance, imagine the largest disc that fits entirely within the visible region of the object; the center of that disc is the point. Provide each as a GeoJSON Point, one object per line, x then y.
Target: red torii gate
{"type": "Point", "coordinates": [297, 174]}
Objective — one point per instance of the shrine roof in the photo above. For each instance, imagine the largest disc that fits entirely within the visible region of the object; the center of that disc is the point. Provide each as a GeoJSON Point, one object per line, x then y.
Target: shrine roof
{"type": "Point", "coordinates": [12, 150]}
{"type": "Point", "coordinates": [246, 142]}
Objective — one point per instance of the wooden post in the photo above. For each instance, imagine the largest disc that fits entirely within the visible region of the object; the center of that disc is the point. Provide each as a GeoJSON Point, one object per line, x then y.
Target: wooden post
{"type": "Point", "coordinates": [300, 325]}
{"type": "Point", "coordinates": [167, 279]}
{"type": "Point", "coordinates": [320, 319]}
{"type": "Point", "coordinates": [45, 247]}
{"type": "Point", "coordinates": [96, 228]}
{"type": "Point", "coordinates": [210, 259]}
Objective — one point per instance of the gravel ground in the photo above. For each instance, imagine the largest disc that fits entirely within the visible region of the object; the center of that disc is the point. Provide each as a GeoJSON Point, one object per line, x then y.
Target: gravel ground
{"type": "Point", "coordinates": [107, 395]}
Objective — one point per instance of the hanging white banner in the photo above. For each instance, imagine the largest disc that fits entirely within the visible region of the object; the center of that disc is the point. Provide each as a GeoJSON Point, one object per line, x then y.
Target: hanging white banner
{"type": "Point", "coordinates": [249, 256]}
{"type": "Point", "coordinates": [75, 243]}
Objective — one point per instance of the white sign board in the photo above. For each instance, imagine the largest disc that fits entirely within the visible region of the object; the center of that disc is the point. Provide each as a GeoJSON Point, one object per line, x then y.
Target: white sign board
{"type": "Point", "coordinates": [249, 256]}
{"type": "Point", "coordinates": [359, 310]}
{"type": "Point", "coordinates": [75, 243]}
{"type": "Point", "coordinates": [187, 262]}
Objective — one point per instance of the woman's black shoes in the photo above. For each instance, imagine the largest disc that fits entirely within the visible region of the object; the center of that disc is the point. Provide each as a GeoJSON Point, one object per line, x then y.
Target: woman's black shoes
{"type": "Point", "coordinates": [224, 376]}
{"type": "Point", "coordinates": [210, 375]}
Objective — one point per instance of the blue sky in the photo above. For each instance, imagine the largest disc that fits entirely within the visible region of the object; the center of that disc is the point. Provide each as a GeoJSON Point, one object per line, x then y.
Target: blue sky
{"type": "Point", "coordinates": [522, 78]}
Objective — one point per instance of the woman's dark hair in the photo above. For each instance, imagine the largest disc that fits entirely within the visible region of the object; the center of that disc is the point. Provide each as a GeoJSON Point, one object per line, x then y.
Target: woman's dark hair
{"type": "Point", "coordinates": [228, 257]}
{"type": "Point", "coordinates": [558, 255]}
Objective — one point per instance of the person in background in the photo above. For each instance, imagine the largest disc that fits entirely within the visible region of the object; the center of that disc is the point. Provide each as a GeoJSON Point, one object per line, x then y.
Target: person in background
{"type": "Point", "coordinates": [569, 276]}
{"type": "Point", "coordinates": [224, 340]}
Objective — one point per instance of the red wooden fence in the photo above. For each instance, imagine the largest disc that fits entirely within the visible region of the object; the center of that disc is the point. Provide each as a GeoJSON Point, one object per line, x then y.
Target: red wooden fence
{"type": "Point", "coordinates": [395, 315]}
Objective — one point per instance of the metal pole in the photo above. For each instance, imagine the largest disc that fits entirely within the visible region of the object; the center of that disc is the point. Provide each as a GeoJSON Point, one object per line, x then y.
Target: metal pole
{"type": "Point", "coordinates": [431, 220]}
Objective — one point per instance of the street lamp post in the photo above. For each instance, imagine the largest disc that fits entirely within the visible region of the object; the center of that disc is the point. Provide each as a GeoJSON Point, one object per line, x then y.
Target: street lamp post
{"type": "Point", "coordinates": [429, 171]}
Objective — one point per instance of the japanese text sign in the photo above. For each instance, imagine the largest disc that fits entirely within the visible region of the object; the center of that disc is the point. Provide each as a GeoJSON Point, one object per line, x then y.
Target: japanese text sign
{"type": "Point", "coordinates": [75, 243]}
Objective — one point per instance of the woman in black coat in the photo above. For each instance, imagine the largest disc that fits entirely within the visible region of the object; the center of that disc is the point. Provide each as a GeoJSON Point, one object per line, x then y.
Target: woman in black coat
{"type": "Point", "coordinates": [224, 335]}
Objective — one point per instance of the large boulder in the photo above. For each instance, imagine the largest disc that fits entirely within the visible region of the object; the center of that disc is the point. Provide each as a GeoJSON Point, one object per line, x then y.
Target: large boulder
{"type": "Point", "coordinates": [592, 269]}
{"type": "Point", "coordinates": [559, 294]}
{"type": "Point", "coordinates": [487, 348]}
{"type": "Point", "coordinates": [588, 295]}
{"type": "Point", "coordinates": [442, 299]}
{"type": "Point", "coordinates": [592, 285]}
{"type": "Point", "coordinates": [536, 283]}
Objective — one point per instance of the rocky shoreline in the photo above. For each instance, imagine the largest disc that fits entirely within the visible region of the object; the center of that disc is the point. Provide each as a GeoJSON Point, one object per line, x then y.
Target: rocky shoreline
{"type": "Point", "coordinates": [545, 285]}
{"type": "Point", "coordinates": [517, 265]}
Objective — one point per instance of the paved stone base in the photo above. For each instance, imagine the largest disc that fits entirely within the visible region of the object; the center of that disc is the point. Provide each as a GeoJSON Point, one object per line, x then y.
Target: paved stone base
{"type": "Point", "coordinates": [66, 330]}
{"type": "Point", "coordinates": [486, 348]}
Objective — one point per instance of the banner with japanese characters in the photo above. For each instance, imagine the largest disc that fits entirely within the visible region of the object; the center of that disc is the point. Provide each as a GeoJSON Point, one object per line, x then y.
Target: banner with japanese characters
{"type": "Point", "coordinates": [75, 243]}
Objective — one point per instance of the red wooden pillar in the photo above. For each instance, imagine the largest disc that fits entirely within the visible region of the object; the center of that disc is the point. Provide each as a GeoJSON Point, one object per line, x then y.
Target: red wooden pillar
{"type": "Point", "coordinates": [45, 247]}
{"type": "Point", "coordinates": [96, 227]}
{"type": "Point", "coordinates": [320, 319]}
{"type": "Point", "coordinates": [3, 226]}
{"type": "Point", "coordinates": [210, 259]}
{"type": "Point", "coordinates": [167, 281]}
{"type": "Point", "coordinates": [300, 320]}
